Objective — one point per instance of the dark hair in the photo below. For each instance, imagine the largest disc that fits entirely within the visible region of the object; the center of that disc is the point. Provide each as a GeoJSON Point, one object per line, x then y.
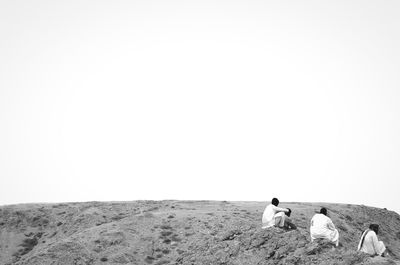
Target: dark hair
{"type": "Point", "coordinates": [275, 201]}
{"type": "Point", "coordinates": [323, 211]}
{"type": "Point", "coordinates": [374, 227]}
{"type": "Point", "coordinates": [288, 213]}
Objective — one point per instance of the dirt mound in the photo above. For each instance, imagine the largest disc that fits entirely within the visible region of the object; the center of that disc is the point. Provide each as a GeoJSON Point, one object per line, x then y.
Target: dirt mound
{"type": "Point", "coordinates": [183, 232]}
{"type": "Point", "coordinates": [267, 246]}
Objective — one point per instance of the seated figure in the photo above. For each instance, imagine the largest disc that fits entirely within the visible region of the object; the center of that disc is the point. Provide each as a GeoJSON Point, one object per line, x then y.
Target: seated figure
{"type": "Point", "coordinates": [323, 227]}
{"type": "Point", "coordinates": [272, 213]}
{"type": "Point", "coordinates": [369, 242]}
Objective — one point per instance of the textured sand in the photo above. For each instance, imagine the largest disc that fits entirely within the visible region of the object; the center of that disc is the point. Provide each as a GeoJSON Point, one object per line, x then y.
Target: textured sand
{"type": "Point", "coordinates": [183, 232]}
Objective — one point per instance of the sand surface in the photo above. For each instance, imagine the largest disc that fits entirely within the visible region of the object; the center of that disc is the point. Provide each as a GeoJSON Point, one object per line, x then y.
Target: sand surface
{"type": "Point", "coordinates": [183, 232]}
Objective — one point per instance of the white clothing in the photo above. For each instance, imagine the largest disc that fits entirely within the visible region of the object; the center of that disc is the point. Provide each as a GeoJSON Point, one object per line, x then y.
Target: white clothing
{"type": "Point", "coordinates": [371, 245]}
{"type": "Point", "coordinates": [322, 227]}
{"type": "Point", "coordinates": [280, 219]}
{"type": "Point", "coordinates": [268, 218]}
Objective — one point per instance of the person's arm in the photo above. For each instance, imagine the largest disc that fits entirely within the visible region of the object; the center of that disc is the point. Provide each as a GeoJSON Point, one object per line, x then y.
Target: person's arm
{"type": "Point", "coordinates": [331, 226]}
{"type": "Point", "coordinates": [278, 209]}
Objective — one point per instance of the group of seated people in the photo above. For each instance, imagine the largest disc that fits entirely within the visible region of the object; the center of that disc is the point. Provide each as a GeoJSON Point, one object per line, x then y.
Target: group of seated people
{"type": "Point", "coordinates": [322, 227]}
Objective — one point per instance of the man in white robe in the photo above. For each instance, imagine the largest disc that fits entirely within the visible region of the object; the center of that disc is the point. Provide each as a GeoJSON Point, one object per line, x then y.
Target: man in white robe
{"type": "Point", "coordinates": [323, 227]}
{"type": "Point", "coordinates": [274, 215]}
{"type": "Point", "coordinates": [369, 242]}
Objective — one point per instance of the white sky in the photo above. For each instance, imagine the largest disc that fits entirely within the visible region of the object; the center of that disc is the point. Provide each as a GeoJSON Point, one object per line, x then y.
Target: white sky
{"type": "Point", "coordinates": [198, 99]}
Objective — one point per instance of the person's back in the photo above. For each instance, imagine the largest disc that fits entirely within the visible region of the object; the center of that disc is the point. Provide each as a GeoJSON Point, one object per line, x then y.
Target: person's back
{"type": "Point", "coordinates": [323, 227]}
{"type": "Point", "coordinates": [268, 216]}
{"type": "Point", "coordinates": [320, 224]}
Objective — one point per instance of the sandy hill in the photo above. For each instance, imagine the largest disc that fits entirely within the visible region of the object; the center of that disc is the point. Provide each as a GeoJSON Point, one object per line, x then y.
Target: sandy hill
{"type": "Point", "coordinates": [183, 232]}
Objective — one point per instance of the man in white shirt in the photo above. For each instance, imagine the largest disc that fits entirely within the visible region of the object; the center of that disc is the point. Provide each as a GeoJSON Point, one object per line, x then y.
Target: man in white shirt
{"type": "Point", "coordinates": [272, 216]}
{"type": "Point", "coordinates": [369, 242]}
{"type": "Point", "coordinates": [322, 227]}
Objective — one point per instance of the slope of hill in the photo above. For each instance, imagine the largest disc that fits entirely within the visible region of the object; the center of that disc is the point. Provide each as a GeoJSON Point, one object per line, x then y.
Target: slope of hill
{"type": "Point", "coordinates": [183, 232]}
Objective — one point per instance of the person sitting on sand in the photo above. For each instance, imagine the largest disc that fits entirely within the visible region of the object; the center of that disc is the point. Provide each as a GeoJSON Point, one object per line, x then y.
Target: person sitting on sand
{"type": "Point", "coordinates": [272, 214]}
{"type": "Point", "coordinates": [369, 242]}
{"type": "Point", "coordinates": [322, 227]}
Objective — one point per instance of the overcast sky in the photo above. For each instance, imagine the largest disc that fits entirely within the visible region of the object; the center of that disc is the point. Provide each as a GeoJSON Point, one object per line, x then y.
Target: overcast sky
{"type": "Point", "coordinates": [198, 99]}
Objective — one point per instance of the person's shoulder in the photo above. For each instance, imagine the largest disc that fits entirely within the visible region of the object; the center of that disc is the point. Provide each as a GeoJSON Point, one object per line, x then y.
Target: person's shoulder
{"type": "Point", "coordinates": [321, 217]}
{"type": "Point", "coordinates": [369, 236]}
{"type": "Point", "coordinates": [272, 206]}
{"type": "Point", "coordinates": [268, 206]}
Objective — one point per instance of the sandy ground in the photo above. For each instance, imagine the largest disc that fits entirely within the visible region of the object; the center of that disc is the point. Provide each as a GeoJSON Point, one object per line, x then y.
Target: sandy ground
{"type": "Point", "coordinates": [184, 232]}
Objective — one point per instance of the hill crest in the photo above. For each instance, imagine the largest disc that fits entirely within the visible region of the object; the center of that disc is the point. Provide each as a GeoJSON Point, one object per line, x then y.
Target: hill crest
{"type": "Point", "coordinates": [183, 232]}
